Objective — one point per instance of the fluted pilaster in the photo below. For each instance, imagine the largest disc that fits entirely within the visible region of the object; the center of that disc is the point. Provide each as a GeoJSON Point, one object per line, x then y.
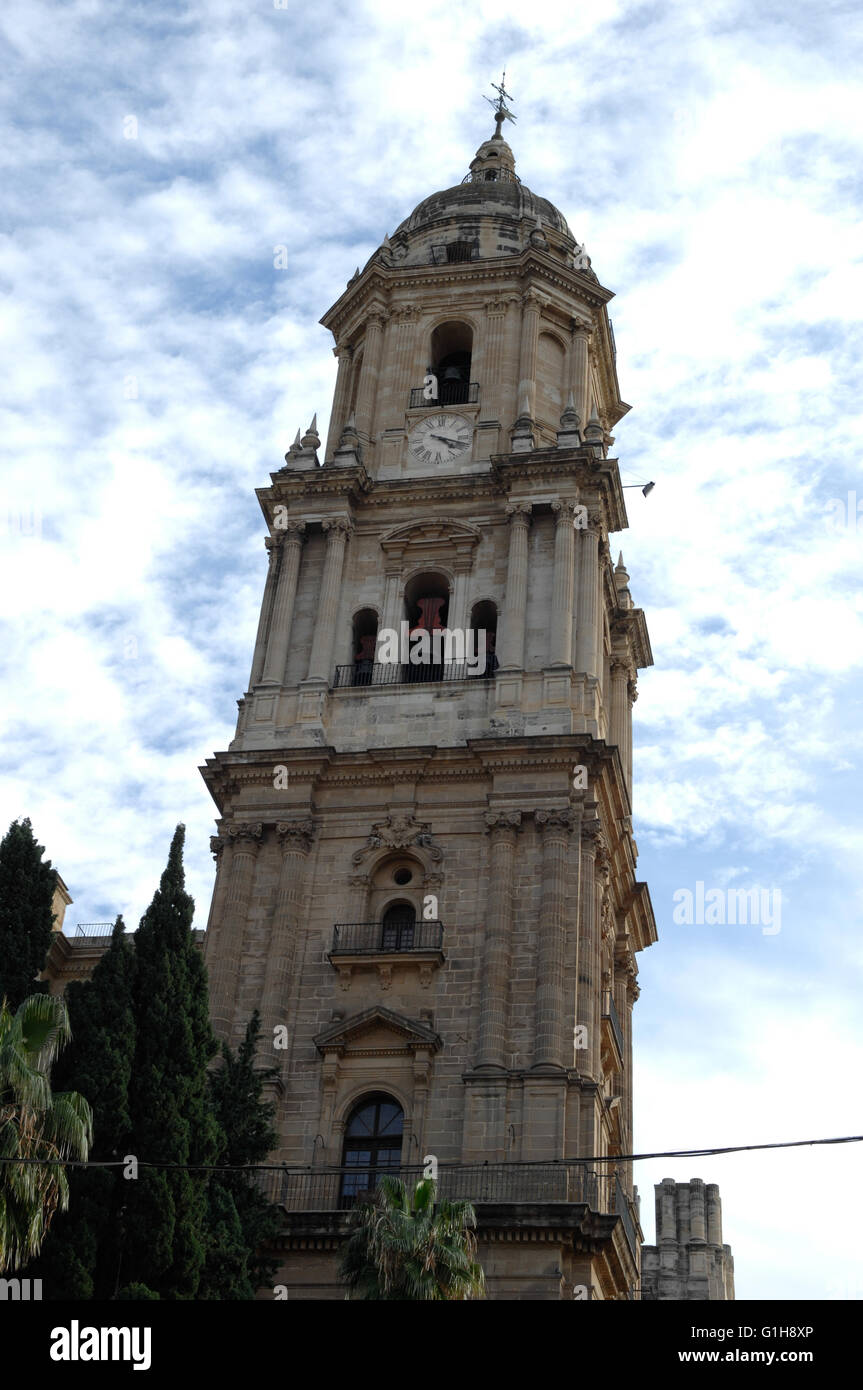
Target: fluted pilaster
{"type": "Point", "coordinates": [341, 398]}
{"type": "Point", "coordinates": [283, 608]}
{"type": "Point", "coordinates": [563, 584]}
{"type": "Point", "coordinates": [502, 828]}
{"type": "Point", "coordinates": [511, 633]}
{"type": "Point", "coordinates": [337, 531]}
{"type": "Point", "coordinates": [551, 1049]}
{"type": "Point", "coordinates": [245, 842]}
{"type": "Point", "coordinates": [295, 839]}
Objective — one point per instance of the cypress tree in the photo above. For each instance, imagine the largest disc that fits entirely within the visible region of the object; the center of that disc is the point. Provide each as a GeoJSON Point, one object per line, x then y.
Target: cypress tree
{"type": "Point", "coordinates": [165, 1235]}
{"type": "Point", "coordinates": [26, 914]}
{"type": "Point", "coordinates": [80, 1257]}
{"type": "Point", "coordinates": [241, 1218]}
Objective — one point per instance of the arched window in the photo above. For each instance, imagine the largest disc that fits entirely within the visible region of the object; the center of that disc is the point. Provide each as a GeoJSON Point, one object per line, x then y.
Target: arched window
{"type": "Point", "coordinates": [452, 345]}
{"type": "Point", "coordinates": [373, 1145]}
{"type": "Point", "coordinates": [397, 928]}
{"type": "Point", "coordinates": [483, 618]}
{"type": "Point", "coordinates": [365, 635]}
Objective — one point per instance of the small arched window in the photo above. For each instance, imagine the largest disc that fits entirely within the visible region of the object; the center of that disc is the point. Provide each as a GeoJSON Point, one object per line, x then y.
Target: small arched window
{"type": "Point", "coordinates": [373, 1145]}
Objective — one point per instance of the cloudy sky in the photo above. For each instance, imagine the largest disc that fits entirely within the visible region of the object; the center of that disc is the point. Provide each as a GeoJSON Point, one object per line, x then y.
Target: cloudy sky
{"type": "Point", "coordinates": [156, 365]}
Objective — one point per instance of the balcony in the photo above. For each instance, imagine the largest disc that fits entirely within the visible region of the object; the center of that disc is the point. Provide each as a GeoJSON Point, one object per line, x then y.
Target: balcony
{"type": "Point", "coordinates": [398, 673]}
{"type": "Point", "coordinates": [483, 1184]}
{"type": "Point", "coordinates": [371, 938]}
{"type": "Point", "coordinates": [322, 1197]}
{"type": "Point", "coordinates": [449, 393]}
{"type": "Point", "coordinates": [406, 944]}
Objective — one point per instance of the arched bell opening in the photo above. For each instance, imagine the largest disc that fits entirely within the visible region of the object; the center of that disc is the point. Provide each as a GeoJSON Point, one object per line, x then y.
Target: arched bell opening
{"type": "Point", "coordinates": [427, 600]}
{"type": "Point", "coordinates": [365, 636]}
{"type": "Point", "coordinates": [451, 352]}
{"type": "Point", "coordinates": [483, 618]}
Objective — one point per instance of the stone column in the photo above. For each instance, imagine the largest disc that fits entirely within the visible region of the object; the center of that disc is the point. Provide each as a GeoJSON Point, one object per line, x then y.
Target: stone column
{"type": "Point", "coordinates": [502, 827]}
{"type": "Point", "coordinates": [587, 620]}
{"type": "Point", "coordinates": [245, 841]}
{"type": "Point", "coordinates": [714, 1214]}
{"type": "Point", "coordinates": [620, 729]}
{"type": "Point", "coordinates": [580, 359]}
{"type": "Point", "coordinates": [283, 608]}
{"type": "Point", "coordinates": [295, 838]}
{"type": "Point", "coordinates": [564, 585]}
{"type": "Point", "coordinates": [337, 531]}
{"type": "Point", "coordinates": [341, 397]}
{"type": "Point", "coordinates": [697, 1213]}
{"type": "Point", "coordinates": [221, 850]}
{"type": "Point", "coordinates": [392, 613]}
{"type": "Point", "coordinates": [530, 313]}
{"type": "Point", "coordinates": [266, 610]}
{"type": "Point", "coordinates": [588, 945]}
{"type": "Point", "coordinates": [511, 624]}
{"type": "Point", "coordinates": [369, 374]}
{"type": "Point", "coordinates": [551, 1046]}
{"type": "Point", "coordinates": [457, 612]}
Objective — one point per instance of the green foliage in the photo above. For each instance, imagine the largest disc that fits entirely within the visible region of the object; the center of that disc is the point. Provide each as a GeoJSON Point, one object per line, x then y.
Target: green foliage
{"type": "Point", "coordinates": [410, 1248]}
{"type": "Point", "coordinates": [82, 1254]}
{"type": "Point", "coordinates": [26, 915]}
{"type": "Point", "coordinates": [35, 1123]}
{"type": "Point", "coordinates": [141, 1053]}
{"type": "Point", "coordinates": [171, 1118]}
{"type": "Point", "coordinates": [241, 1219]}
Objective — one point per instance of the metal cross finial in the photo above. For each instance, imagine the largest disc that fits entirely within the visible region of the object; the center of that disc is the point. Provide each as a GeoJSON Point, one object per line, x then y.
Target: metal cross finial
{"type": "Point", "coordinates": [502, 113]}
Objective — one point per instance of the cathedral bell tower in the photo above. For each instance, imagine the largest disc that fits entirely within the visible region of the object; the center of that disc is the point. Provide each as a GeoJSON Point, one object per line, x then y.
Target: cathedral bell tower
{"type": "Point", "coordinates": [426, 873]}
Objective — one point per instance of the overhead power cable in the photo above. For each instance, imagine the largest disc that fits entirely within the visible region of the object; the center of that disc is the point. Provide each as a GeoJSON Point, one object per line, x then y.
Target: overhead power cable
{"type": "Point", "coordinates": [530, 1163]}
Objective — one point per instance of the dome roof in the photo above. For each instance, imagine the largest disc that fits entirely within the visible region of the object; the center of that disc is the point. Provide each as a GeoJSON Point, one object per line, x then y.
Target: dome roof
{"type": "Point", "coordinates": [491, 189]}
{"type": "Point", "coordinates": [486, 199]}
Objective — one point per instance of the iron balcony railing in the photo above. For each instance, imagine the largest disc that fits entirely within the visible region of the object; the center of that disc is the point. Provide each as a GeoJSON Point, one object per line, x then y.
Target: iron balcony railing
{"type": "Point", "coordinates": [449, 393]}
{"type": "Point", "coordinates": [610, 1012]}
{"type": "Point", "coordinates": [374, 938]}
{"type": "Point", "coordinates": [87, 930]}
{"type": "Point", "coordinates": [482, 1184]}
{"type": "Point", "coordinates": [406, 673]}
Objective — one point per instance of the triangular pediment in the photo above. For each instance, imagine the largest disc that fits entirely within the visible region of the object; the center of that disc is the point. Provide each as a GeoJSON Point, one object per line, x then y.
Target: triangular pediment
{"type": "Point", "coordinates": [436, 530]}
{"type": "Point", "coordinates": [377, 1027]}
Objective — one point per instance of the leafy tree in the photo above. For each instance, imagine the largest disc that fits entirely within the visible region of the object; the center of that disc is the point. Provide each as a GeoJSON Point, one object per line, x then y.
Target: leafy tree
{"type": "Point", "coordinates": [241, 1219]}
{"type": "Point", "coordinates": [35, 1123]}
{"type": "Point", "coordinates": [81, 1257]}
{"type": "Point", "coordinates": [172, 1122]}
{"type": "Point", "coordinates": [411, 1248]}
{"type": "Point", "coordinates": [26, 914]}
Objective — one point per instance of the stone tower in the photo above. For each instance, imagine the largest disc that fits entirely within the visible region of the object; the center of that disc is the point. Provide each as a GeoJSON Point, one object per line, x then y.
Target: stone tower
{"type": "Point", "coordinates": [689, 1261]}
{"type": "Point", "coordinates": [426, 870]}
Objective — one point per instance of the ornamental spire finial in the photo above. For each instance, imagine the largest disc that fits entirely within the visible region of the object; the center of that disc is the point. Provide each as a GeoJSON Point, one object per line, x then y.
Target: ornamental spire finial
{"type": "Point", "coordinates": [502, 112]}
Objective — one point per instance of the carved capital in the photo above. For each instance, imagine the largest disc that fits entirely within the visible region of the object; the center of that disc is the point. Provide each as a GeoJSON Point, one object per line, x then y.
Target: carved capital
{"type": "Point", "coordinates": [620, 669]}
{"type": "Point", "coordinates": [531, 302]}
{"type": "Point", "coordinates": [519, 513]}
{"type": "Point", "coordinates": [295, 835]}
{"type": "Point", "coordinates": [551, 821]}
{"type": "Point", "coordinates": [502, 821]}
{"type": "Point", "coordinates": [581, 328]}
{"type": "Point", "coordinates": [246, 836]}
{"type": "Point", "coordinates": [336, 526]}
{"type": "Point", "coordinates": [564, 512]}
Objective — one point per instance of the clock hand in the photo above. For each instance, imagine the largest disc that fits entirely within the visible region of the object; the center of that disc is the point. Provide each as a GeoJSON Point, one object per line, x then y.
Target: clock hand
{"type": "Point", "coordinates": [453, 443]}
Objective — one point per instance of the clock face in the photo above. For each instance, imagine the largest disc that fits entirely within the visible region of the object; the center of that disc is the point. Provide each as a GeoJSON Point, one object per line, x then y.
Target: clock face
{"type": "Point", "coordinates": [440, 438]}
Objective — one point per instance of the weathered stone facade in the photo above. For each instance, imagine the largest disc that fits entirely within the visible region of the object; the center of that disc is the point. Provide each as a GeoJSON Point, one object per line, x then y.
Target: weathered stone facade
{"type": "Point", "coordinates": [689, 1261]}
{"type": "Point", "coordinates": [355, 794]}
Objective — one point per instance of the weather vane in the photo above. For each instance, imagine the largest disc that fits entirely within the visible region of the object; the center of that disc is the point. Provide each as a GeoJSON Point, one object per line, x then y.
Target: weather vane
{"type": "Point", "coordinates": [502, 112]}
